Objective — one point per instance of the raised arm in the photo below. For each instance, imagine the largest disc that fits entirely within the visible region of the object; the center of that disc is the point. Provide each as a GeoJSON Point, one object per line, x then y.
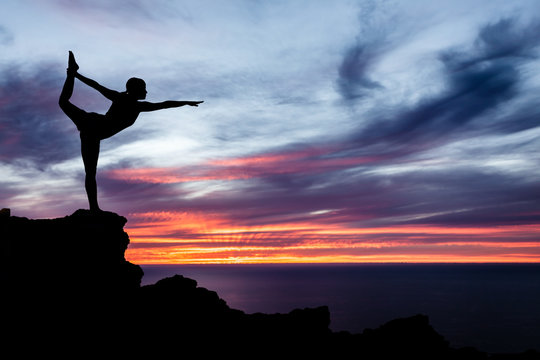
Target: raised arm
{"type": "Point", "coordinates": [108, 93]}
{"type": "Point", "coordinates": [149, 106]}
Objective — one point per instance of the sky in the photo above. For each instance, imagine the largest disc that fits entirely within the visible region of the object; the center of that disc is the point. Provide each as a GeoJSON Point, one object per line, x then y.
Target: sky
{"type": "Point", "coordinates": [342, 131]}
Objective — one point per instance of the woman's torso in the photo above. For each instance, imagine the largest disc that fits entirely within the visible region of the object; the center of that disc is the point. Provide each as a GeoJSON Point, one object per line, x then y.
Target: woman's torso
{"type": "Point", "coordinates": [123, 112]}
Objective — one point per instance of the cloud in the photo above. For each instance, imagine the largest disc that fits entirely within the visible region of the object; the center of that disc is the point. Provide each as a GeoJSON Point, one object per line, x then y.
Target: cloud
{"type": "Point", "coordinates": [477, 82]}
{"type": "Point", "coordinates": [354, 81]}
{"type": "Point", "coordinates": [503, 40]}
{"type": "Point", "coordinates": [128, 11]}
{"type": "Point", "coordinates": [354, 72]}
{"type": "Point", "coordinates": [320, 185]}
{"type": "Point", "coordinates": [33, 128]}
{"type": "Point", "coordinates": [464, 196]}
{"type": "Point", "coordinates": [301, 161]}
{"type": "Point", "coordinates": [9, 190]}
{"type": "Point", "coordinates": [6, 37]}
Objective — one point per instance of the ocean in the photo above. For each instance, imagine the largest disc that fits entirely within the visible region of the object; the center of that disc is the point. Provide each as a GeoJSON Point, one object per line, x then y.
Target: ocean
{"type": "Point", "coordinates": [492, 307]}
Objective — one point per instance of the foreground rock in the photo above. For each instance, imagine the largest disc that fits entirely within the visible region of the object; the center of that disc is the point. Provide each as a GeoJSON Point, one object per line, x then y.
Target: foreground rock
{"type": "Point", "coordinates": [67, 285]}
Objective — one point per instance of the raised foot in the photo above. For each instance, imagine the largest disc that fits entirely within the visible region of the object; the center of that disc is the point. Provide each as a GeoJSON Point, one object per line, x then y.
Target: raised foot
{"type": "Point", "coordinates": [72, 64]}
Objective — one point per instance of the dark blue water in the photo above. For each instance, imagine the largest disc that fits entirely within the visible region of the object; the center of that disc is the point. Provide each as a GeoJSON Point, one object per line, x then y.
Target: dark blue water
{"type": "Point", "coordinates": [493, 307]}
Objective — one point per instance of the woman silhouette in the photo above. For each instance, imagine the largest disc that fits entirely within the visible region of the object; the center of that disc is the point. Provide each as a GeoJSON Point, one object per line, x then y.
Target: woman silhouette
{"type": "Point", "coordinates": [93, 127]}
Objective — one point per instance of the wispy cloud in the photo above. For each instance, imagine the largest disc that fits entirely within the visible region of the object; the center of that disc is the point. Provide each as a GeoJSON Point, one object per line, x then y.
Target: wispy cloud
{"type": "Point", "coordinates": [298, 163]}
{"type": "Point", "coordinates": [294, 186]}
{"type": "Point", "coordinates": [477, 81]}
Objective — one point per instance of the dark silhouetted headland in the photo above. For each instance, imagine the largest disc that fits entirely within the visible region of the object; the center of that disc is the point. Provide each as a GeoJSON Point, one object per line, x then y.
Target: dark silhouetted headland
{"type": "Point", "coordinates": [67, 287]}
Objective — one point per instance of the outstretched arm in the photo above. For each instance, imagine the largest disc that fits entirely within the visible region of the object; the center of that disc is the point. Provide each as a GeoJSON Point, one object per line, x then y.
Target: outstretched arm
{"type": "Point", "coordinates": [108, 93]}
{"type": "Point", "coordinates": [148, 106]}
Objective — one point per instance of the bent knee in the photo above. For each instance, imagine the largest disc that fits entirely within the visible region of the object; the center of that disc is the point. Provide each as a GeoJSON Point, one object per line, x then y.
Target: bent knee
{"type": "Point", "coordinates": [66, 107]}
{"type": "Point", "coordinates": [69, 109]}
{"type": "Point", "coordinates": [63, 100]}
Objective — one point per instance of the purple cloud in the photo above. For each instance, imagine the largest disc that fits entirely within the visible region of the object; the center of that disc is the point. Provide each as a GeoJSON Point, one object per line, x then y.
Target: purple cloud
{"type": "Point", "coordinates": [33, 126]}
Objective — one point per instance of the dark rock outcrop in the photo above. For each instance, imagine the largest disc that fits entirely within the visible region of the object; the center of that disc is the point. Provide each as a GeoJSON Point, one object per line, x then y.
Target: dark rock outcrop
{"type": "Point", "coordinates": [67, 285]}
{"type": "Point", "coordinates": [81, 252]}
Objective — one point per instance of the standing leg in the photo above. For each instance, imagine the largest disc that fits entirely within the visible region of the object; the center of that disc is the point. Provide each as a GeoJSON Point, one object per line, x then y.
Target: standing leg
{"type": "Point", "coordinates": [90, 154]}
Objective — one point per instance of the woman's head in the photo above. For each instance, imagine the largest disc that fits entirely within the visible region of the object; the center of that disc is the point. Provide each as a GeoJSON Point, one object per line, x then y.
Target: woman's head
{"type": "Point", "coordinates": [136, 87]}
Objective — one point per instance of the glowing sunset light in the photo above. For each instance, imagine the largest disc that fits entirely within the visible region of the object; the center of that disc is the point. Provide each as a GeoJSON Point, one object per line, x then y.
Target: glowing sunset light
{"type": "Point", "coordinates": [410, 230]}
{"type": "Point", "coordinates": [168, 237]}
{"type": "Point", "coordinates": [183, 255]}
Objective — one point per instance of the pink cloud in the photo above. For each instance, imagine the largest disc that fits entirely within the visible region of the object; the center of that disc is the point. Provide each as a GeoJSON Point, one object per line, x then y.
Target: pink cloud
{"type": "Point", "coordinates": [309, 161]}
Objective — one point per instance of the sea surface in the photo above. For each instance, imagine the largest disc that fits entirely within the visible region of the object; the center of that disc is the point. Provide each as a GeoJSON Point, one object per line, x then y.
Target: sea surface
{"type": "Point", "coordinates": [492, 307]}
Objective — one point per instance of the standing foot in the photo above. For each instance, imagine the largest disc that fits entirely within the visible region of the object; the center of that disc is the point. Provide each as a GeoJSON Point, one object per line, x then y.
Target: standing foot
{"type": "Point", "coordinates": [96, 210]}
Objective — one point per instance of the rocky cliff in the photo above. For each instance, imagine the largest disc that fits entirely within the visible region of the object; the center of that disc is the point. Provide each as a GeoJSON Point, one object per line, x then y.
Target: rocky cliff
{"type": "Point", "coordinates": [82, 252]}
{"type": "Point", "coordinates": [67, 285]}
